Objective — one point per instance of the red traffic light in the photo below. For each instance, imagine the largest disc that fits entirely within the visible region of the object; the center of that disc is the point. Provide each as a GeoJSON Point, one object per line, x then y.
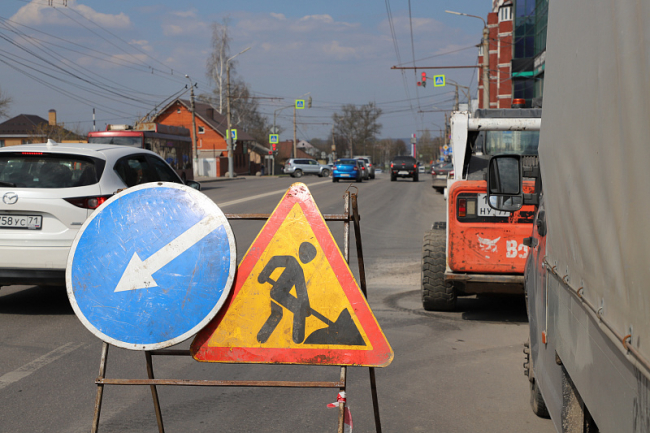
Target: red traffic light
{"type": "Point", "coordinates": [424, 79]}
{"type": "Point", "coordinates": [275, 148]}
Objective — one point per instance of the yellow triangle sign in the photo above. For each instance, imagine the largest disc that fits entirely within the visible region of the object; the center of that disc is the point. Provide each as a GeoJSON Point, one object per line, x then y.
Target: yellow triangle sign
{"type": "Point", "coordinates": [295, 299]}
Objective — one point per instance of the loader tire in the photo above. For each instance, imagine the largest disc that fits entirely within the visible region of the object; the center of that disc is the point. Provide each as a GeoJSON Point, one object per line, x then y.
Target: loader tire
{"type": "Point", "coordinates": [437, 294]}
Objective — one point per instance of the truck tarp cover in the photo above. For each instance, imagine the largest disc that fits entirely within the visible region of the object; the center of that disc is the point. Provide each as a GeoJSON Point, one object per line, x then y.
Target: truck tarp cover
{"type": "Point", "coordinates": [595, 156]}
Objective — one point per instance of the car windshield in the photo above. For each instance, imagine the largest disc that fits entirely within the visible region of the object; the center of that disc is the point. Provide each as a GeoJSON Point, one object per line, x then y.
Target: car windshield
{"type": "Point", "coordinates": [121, 141]}
{"type": "Point", "coordinates": [39, 170]}
{"type": "Point", "coordinates": [518, 142]}
{"type": "Point", "coordinates": [346, 162]}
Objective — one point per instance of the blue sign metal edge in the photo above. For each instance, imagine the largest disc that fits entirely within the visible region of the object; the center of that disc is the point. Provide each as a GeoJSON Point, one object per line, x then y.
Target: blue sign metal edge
{"type": "Point", "coordinates": [204, 201]}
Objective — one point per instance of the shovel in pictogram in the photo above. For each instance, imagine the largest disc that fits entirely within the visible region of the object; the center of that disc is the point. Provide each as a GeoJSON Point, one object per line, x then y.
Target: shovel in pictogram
{"type": "Point", "coordinates": [343, 331]}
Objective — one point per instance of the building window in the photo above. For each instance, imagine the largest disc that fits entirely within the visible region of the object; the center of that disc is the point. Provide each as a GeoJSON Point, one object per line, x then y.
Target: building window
{"type": "Point", "coordinates": [505, 13]}
{"type": "Point", "coordinates": [201, 130]}
{"type": "Point", "coordinates": [178, 111]}
{"type": "Point", "coordinates": [2, 143]}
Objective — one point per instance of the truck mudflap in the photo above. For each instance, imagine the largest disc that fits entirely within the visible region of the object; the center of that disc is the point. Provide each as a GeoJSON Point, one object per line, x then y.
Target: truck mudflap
{"type": "Point", "coordinates": [481, 239]}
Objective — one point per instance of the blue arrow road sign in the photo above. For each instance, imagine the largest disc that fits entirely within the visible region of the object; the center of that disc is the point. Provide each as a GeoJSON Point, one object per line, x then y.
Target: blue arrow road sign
{"type": "Point", "coordinates": [152, 266]}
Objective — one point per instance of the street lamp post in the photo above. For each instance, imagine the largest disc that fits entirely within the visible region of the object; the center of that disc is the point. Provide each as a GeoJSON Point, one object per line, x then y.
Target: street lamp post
{"type": "Point", "coordinates": [486, 61]}
{"type": "Point", "coordinates": [228, 133]}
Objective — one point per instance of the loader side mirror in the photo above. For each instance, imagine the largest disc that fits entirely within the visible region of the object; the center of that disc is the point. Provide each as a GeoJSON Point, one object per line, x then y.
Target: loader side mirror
{"type": "Point", "coordinates": [505, 183]}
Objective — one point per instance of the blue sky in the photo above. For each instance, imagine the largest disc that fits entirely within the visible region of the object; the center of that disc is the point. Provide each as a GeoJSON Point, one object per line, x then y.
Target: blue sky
{"type": "Point", "coordinates": [124, 57]}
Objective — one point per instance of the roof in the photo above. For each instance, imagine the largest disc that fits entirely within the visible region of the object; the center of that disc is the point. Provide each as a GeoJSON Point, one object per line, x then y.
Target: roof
{"type": "Point", "coordinates": [211, 117]}
{"type": "Point", "coordinates": [285, 149]}
{"type": "Point", "coordinates": [23, 124]}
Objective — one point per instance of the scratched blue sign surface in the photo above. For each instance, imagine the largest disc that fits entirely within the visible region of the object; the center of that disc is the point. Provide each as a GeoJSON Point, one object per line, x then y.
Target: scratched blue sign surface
{"type": "Point", "coordinates": [152, 266]}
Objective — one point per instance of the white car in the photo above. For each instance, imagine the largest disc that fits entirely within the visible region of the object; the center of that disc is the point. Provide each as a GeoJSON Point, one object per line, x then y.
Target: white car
{"type": "Point", "coordinates": [48, 190]}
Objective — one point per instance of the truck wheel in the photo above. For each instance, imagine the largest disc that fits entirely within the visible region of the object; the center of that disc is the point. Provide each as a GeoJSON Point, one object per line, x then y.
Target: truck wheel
{"type": "Point", "coordinates": [392, 177]}
{"type": "Point", "coordinates": [437, 294]}
{"type": "Point", "coordinates": [416, 178]}
{"type": "Point", "coordinates": [537, 401]}
{"type": "Point", "coordinates": [297, 173]}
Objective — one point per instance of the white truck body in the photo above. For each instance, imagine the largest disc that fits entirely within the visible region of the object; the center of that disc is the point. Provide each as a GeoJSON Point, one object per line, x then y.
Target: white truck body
{"type": "Point", "coordinates": [589, 290]}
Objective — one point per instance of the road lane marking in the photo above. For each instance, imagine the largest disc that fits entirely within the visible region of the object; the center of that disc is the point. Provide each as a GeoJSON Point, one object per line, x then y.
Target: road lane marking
{"type": "Point", "coordinates": [266, 194]}
{"type": "Point", "coordinates": [27, 369]}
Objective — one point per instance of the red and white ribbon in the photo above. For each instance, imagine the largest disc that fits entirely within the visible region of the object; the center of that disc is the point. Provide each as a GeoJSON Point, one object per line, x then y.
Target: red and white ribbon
{"type": "Point", "coordinates": [347, 416]}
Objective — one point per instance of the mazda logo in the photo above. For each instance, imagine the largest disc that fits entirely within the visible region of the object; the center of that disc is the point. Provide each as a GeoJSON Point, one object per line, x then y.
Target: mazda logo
{"type": "Point", "coordinates": [10, 198]}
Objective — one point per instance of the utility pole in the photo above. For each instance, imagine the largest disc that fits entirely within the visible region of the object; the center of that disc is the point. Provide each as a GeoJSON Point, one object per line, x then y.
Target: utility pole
{"type": "Point", "coordinates": [229, 142]}
{"type": "Point", "coordinates": [486, 69]}
{"type": "Point", "coordinates": [195, 150]}
{"type": "Point", "coordinates": [486, 58]}
{"type": "Point", "coordinates": [228, 134]}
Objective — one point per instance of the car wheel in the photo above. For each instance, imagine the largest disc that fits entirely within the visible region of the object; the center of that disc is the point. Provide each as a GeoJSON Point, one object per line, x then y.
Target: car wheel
{"type": "Point", "coordinates": [360, 179]}
{"type": "Point", "coordinates": [393, 178]}
{"type": "Point", "coordinates": [416, 178]}
{"type": "Point", "coordinates": [325, 173]}
{"type": "Point", "coordinates": [297, 173]}
{"type": "Point", "coordinates": [437, 294]}
{"type": "Point", "coordinates": [335, 179]}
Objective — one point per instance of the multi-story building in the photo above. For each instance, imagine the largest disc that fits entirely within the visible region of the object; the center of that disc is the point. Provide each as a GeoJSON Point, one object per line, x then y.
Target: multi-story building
{"type": "Point", "coordinates": [517, 49]}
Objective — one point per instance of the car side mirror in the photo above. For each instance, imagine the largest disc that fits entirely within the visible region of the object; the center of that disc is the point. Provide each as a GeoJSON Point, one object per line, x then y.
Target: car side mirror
{"type": "Point", "coordinates": [193, 184]}
{"type": "Point", "coordinates": [505, 180]}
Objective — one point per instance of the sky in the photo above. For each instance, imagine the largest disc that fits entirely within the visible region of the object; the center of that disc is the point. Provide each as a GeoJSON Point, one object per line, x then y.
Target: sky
{"type": "Point", "coordinates": [124, 58]}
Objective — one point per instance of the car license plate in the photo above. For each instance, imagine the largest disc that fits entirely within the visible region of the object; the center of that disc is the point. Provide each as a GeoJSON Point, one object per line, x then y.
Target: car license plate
{"type": "Point", "coordinates": [441, 176]}
{"type": "Point", "coordinates": [402, 172]}
{"type": "Point", "coordinates": [484, 209]}
{"type": "Point", "coordinates": [28, 222]}
{"type": "Point", "coordinates": [345, 175]}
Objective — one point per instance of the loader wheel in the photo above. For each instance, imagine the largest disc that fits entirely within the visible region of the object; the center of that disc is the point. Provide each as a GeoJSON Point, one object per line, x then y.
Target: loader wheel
{"type": "Point", "coordinates": [437, 294]}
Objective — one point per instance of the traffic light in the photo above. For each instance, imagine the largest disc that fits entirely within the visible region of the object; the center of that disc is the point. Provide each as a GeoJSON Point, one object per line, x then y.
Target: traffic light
{"type": "Point", "coordinates": [424, 79]}
{"type": "Point", "coordinates": [275, 147]}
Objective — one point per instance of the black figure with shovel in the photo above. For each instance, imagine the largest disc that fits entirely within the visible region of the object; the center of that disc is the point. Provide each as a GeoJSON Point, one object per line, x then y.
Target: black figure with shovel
{"type": "Point", "coordinates": [343, 331]}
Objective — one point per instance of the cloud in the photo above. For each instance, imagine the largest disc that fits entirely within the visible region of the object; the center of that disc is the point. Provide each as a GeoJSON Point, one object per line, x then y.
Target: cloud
{"type": "Point", "coordinates": [334, 49]}
{"type": "Point", "coordinates": [185, 23]}
{"type": "Point", "coordinates": [39, 13]}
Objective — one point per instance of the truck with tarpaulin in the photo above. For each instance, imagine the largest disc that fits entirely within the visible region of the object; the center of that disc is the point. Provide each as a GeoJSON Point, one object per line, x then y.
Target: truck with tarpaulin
{"type": "Point", "coordinates": [587, 277]}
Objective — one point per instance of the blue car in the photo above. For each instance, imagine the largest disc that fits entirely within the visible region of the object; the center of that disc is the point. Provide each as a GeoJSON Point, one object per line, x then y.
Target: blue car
{"type": "Point", "coordinates": [347, 168]}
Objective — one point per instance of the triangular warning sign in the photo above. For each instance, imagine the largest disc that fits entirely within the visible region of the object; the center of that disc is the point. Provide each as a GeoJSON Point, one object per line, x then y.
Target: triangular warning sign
{"type": "Point", "coordinates": [295, 299]}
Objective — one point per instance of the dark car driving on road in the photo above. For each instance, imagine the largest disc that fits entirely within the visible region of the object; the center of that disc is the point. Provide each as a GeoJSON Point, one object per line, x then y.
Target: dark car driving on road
{"type": "Point", "coordinates": [404, 166]}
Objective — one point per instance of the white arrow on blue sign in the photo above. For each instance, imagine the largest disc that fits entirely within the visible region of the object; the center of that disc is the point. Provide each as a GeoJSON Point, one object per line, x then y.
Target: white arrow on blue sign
{"type": "Point", "coordinates": [152, 266]}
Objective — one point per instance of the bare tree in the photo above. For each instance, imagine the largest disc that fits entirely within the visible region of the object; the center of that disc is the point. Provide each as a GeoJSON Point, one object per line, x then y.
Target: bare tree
{"type": "Point", "coordinates": [5, 102]}
{"type": "Point", "coordinates": [44, 131]}
{"type": "Point", "coordinates": [358, 126]}
{"type": "Point", "coordinates": [216, 63]}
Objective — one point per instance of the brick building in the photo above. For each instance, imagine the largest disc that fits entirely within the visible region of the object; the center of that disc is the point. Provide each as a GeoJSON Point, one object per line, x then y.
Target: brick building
{"type": "Point", "coordinates": [500, 35]}
{"type": "Point", "coordinates": [211, 143]}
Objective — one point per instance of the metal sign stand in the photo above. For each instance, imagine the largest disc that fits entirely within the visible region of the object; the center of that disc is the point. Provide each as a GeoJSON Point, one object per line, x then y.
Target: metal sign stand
{"type": "Point", "coordinates": [350, 201]}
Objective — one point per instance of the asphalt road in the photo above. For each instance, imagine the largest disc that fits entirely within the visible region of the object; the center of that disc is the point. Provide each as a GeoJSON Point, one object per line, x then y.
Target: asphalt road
{"type": "Point", "coordinates": [452, 372]}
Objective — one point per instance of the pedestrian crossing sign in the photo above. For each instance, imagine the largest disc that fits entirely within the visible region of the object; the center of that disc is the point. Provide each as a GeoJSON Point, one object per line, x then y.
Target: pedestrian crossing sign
{"type": "Point", "coordinates": [274, 138]}
{"type": "Point", "coordinates": [300, 103]}
{"type": "Point", "coordinates": [295, 299]}
{"type": "Point", "coordinates": [438, 80]}
{"type": "Point", "coordinates": [233, 134]}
